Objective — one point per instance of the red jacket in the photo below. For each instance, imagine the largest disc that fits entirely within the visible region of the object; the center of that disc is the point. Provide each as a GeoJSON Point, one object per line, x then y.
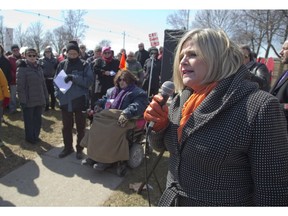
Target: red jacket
{"type": "Point", "coordinates": [12, 59]}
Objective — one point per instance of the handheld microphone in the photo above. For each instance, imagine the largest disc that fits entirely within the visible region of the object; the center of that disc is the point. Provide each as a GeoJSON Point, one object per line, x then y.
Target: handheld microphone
{"type": "Point", "coordinates": [167, 90]}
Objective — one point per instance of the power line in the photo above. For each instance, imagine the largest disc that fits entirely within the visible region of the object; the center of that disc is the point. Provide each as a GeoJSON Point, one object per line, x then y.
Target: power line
{"type": "Point", "coordinates": [91, 28]}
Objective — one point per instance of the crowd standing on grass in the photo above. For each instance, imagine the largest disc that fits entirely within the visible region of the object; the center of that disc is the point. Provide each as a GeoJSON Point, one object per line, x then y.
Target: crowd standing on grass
{"type": "Point", "coordinates": [217, 89]}
{"type": "Point", "coordinates": [227, 139]}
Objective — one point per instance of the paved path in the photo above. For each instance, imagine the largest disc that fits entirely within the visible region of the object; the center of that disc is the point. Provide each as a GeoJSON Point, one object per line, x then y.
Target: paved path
{"type": "Point", "coordinates": [50, 181]}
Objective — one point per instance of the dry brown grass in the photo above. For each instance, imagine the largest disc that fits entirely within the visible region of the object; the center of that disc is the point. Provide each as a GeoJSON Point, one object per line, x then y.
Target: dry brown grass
{"type": "Point", "coordinates": [17, 152]}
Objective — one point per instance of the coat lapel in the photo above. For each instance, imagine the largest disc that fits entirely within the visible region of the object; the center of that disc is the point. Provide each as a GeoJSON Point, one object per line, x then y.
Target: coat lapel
{"type": "Point", "coordinates": [225, 95]}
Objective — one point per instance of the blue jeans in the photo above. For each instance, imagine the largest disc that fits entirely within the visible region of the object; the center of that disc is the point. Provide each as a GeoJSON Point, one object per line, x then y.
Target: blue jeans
{"type": "Point", "coordinates": [32, 122]}
{"type": "Point", "coordinates": [13, 99]}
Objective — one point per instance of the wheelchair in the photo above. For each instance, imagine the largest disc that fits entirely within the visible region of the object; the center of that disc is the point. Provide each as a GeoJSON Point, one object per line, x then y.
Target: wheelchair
{"type": "Point", "coordinates": [135, 139]}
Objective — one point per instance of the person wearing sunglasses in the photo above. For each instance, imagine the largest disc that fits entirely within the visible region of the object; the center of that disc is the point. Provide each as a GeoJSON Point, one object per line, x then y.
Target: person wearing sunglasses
{"type": "Point", "coordinates": [125, 103]}
{"type": "Point", "coordinates": [258, 71]}
{"type": "Point", "coordinates": [32, 94]}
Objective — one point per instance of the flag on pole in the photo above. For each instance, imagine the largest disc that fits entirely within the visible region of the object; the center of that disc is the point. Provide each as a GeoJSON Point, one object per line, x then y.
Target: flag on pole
{"type": "Point", "coordinates": [122, 65]}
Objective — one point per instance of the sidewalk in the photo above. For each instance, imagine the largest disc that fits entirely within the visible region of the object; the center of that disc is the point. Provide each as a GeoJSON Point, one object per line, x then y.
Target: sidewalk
{"type": "Point", "coordinates": [49, 181]}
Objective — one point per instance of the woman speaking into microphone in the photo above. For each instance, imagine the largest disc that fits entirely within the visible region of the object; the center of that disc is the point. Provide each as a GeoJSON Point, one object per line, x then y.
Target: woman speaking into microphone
{"type": "Point", "coordinates": [227, 139]}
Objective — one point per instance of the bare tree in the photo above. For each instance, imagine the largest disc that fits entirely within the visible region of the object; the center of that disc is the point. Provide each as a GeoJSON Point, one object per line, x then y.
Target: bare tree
{"type": "Point", "coordinates": [36, 36]}
{"type": "Point", "coordinates": [261, 29]}
{"type": "Point", "coordinates": [105, 43]}
{"type": "Point", "coordinates": [1, 30]}
{"type": "Point", "coordinates": [20, 37]}
{"type": "Point", "coordinates": [58, 38]}
{"type": "Point", "coordinates": [217, 19]}
{"type": "Point", "coordinates": [180, 19]}
{"type": "Point", "coordinates": [74, 24]}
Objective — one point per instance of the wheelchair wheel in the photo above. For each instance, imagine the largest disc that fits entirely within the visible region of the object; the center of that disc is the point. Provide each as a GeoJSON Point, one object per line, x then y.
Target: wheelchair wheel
{"type": "Point", "coordinates": [136, 155]}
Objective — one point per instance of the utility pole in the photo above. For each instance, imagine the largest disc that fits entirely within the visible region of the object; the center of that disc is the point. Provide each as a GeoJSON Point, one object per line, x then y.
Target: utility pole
{"type": "Point", "coordinates": [124, 40]}
{"type": "Point", "coordinates": [188, 18]}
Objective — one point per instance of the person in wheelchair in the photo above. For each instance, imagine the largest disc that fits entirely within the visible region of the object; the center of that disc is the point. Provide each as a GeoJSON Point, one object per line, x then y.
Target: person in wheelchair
{"type": "Point", "coordinates": [106, 141]}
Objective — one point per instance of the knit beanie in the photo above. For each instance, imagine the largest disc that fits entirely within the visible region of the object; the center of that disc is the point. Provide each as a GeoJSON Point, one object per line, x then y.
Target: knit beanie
{"type": "Point", "coordinates": [14, 46]}
{"type": "Point", "coordinates": [30, 50]}
{"type": "Point", "coordinates": [73, 45]}
{"type": "Point", "coordinates": [106, 48]}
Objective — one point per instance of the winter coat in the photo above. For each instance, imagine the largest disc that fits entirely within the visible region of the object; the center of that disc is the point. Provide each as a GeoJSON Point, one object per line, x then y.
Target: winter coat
{"type": "Point", "coordinates": [134, 103]}
{"type": "Point", "coordinates": [280, 90]}
{"type": "Point", "coordinates": [156, 72]}
{"type": "Point", "coordinates": [4, 91]}
{"type": "Point", "coordinates": [135, 67]}
{"type": "Point", "coordinates": [76, 98]}
{"type": "Point", "coordinates": [260, 74]}
{"type": "Point", "coordinates": [31, 87]}
{"type": "Point", "coordinates": [49, 66]}
{"type": "Point", "coordinates": [233, 151]}
{"type": "Point", "coordinates": [6, 68]}
{"type": "Point", "coordinates": [100, 67]}
{"type": "Point", "coordinates": [142, 56]}
{"type": "Point", "coordinates": [12, 59]}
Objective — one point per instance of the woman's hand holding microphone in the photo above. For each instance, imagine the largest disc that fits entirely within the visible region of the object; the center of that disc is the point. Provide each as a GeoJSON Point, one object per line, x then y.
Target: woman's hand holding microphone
{"type": "Point", "coordinates": [157, 113]}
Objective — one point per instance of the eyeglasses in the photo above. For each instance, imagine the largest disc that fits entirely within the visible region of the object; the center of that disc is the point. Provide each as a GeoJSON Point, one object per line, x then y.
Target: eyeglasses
{"type": "Point", "coordinates": [121, 79]}
{"type": "Point", "coordinates": [153, 53]}
{"type": "Point", "coordinates": [105, 53]}
{"type": "Point", "coordinates": [31, 56]}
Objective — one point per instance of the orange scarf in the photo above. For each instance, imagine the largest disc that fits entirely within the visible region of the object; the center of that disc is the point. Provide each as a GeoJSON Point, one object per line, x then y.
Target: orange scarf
{"type": "Point", "coordinates": [192, 103]}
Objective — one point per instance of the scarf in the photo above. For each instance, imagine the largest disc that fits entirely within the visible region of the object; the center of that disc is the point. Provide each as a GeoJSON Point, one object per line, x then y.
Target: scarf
{"type": "Point", "coordinates": [107, 60]}
{"type": "Point", "coordinates": [119, 94]}
{"type": "Point", "coordinates": [192, 103]}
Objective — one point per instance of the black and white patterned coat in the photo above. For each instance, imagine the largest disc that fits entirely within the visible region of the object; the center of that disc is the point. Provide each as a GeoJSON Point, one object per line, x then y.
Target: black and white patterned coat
{"type": "Point", "coordinates": [233, 152]}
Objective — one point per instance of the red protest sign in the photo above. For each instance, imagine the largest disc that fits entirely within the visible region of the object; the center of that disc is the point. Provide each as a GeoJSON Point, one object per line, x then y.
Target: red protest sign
{"type": "Point", "coordinates": [154, 41]}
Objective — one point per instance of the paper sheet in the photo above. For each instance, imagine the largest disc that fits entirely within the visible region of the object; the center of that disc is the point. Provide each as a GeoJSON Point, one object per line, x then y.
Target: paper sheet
{"type": "Point", "coordinates": [61, 84]}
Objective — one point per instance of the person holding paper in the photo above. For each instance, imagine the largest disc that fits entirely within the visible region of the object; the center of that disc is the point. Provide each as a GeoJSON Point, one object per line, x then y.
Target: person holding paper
{"type": "Point", "coordinates": [32, 94]}
{"type": "Point", "coordinates": [75, 100]}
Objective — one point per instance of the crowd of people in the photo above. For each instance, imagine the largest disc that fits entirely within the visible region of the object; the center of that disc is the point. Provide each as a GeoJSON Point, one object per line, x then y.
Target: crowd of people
{"type": "Point", "coordinates": [225, 128]}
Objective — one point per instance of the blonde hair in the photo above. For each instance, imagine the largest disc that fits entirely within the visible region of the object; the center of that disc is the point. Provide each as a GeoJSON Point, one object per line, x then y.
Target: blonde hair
{"type": "Point", "coordinates": [223, 56]}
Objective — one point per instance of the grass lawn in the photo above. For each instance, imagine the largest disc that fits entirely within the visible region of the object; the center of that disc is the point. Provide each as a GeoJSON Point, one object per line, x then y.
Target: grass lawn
{"type": "Point", "coordinates": [17, 152]}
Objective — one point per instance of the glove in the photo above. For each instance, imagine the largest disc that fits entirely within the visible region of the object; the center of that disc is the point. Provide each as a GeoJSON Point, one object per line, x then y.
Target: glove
{"type": "Point", "coordinates": [157, 114]}
{"type": "Point", "coordinates": [68, 78]}
{"type": "Point", "coordinates": [122, 120]}
{"type": "Point", "coordinates": [23, 105]}
{"type": "Point", "coordinates": [6, 101]}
